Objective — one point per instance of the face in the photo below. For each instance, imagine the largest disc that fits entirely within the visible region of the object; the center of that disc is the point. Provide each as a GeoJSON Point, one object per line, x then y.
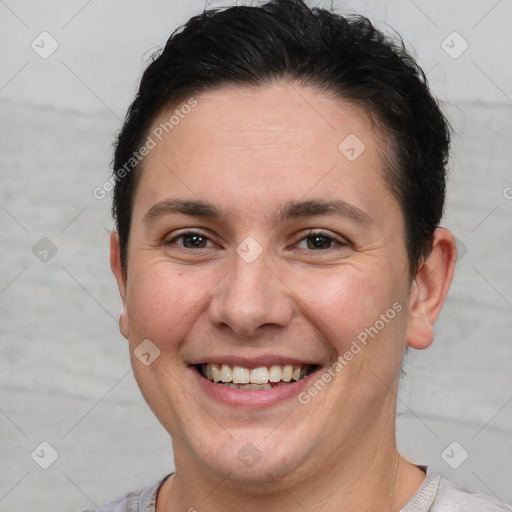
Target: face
{"type": "Point", "coordinates": [264, 239]}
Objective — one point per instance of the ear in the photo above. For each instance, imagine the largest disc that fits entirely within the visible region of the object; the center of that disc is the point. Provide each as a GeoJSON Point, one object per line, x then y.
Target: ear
{"type": "Point", "coordinates": [117, 270]}
{"type": "Point", "coordinates": [429, 289]}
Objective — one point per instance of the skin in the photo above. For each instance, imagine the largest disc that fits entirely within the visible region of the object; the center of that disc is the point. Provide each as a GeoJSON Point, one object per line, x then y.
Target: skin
{"type": "Point", "coordinates": [249, 151]}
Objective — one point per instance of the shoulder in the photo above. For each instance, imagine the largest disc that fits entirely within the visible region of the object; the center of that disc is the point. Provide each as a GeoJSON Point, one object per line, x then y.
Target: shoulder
{"type": "Point", "coordinates": [454, 498]}
{"type": "Point", "coordinates": [143, 499]}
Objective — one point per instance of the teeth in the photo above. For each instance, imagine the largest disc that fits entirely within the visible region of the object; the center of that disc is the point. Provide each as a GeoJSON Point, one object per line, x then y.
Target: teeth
{"type": "Point", "coordinates": [231, 376]}
{"type": "Point", "coordinates": [240, 375]}
{"type": "Point", "coordinates": [259, 375]}
{"type": "Point", "coordinates": [225, 373]}
{"type": "Point", "coordinates": [256, 387]}
{"type": "Point", "coordinates": [287, 373]}
{"type": "Point", "coordinates": [215, 372]}
{"type": "Point", "coordinates": [274, 373]}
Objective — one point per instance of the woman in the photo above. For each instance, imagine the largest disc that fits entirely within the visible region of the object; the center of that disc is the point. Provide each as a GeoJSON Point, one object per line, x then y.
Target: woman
{"type": "Point", "coordinates": [279, 184]}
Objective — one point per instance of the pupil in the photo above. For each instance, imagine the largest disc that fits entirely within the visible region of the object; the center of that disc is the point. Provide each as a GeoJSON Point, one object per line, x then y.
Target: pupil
{"type": "Point", "coordinates": [319, 242]}
{"type": "Point", "coordinates": [194, 241]}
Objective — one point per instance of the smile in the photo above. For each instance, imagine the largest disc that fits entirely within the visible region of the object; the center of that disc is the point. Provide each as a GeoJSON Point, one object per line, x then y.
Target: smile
{"type": "Point", "coordinates": [247, 379]}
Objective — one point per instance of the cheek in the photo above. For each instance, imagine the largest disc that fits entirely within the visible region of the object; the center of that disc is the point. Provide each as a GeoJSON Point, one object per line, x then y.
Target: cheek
{"type": "Point", "coordinates": [162, 301]}
{"type": "Point", "coordinates": [343, 302]}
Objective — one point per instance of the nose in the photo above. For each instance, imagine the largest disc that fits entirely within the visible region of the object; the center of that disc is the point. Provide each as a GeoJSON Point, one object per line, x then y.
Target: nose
{"type": "Point", "coordinates": [251, 299]}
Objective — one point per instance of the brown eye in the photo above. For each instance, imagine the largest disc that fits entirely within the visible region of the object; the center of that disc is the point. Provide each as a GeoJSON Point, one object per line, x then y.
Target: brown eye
{"type": "Point", "coordinates": [319, 242]}
{"type": "Point", "coordinates": [190, 240]}
{"type": "Point", "coordinates": [194, 241]}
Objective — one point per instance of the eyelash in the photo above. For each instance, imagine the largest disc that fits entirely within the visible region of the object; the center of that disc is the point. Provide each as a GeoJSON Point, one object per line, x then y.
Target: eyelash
{"type": "Point", "coordinates": [312, 232]}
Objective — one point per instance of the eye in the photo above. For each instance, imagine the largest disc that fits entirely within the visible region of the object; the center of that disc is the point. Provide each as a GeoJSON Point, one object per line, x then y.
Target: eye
{"type": "Point", "coordinates": [191, 240]}
{"type": "Point", "coordinates": [320, 240]}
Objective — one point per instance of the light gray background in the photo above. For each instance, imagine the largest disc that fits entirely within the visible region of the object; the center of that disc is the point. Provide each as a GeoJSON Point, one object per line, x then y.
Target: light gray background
{"type": "Point", "coordinates": [64, 367]}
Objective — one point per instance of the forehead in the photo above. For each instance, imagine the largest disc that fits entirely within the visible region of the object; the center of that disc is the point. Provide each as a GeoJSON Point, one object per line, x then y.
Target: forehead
{"type": "Point", "coordinates": [275, 142]}
{"type": "Point", "coordinates": [263, 119]}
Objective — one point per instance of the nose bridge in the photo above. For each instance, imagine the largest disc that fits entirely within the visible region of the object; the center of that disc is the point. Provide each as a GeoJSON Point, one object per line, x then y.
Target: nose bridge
{"type": "Point", "coordinates": [250, 295]}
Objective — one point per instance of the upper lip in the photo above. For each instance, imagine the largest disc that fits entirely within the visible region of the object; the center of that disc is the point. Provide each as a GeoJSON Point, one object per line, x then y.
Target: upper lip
{"type": "Point", "coordinates": [253, 362]}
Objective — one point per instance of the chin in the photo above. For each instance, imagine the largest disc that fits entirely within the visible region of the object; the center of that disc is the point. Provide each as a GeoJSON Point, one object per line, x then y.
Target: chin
{"type": "Point", "coordinates": [250, 460]}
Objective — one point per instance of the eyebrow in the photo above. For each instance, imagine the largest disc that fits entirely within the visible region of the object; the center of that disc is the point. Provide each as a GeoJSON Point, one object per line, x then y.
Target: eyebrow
{"type": "Point", "coordinates": [290, 210]}
{"type": "Point", "coordinates": [312, 207]}
{"type": "Point", "coordinates": [195, 208]}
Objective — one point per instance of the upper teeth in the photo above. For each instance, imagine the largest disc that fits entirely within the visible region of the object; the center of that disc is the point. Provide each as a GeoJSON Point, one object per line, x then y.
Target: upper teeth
{"type": "Point", "coordinates": [262, 375]}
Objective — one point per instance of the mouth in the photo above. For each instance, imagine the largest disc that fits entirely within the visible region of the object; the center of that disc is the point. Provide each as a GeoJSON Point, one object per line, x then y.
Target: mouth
{"type": "Point", "coordinates": [254, 379]}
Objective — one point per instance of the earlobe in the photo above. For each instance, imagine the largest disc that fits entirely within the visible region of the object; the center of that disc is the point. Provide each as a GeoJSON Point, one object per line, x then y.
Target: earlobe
{"type": "Point", "coordinates": [430, 288]}
{"type": "Point", "coordinates": [117, 270]}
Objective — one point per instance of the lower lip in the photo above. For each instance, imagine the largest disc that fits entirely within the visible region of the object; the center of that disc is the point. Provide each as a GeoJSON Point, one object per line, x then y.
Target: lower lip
{"type": "Point", "coordinates": [264, 398]}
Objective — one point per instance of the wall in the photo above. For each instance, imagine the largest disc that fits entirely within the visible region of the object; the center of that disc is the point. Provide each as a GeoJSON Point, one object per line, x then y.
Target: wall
{"type": "Point", "coordinates": [64, 370]}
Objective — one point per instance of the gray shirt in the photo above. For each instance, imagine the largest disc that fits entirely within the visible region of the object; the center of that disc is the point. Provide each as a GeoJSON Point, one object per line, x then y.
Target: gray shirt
{"type": "Point", "coordinates": [435, 495]}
